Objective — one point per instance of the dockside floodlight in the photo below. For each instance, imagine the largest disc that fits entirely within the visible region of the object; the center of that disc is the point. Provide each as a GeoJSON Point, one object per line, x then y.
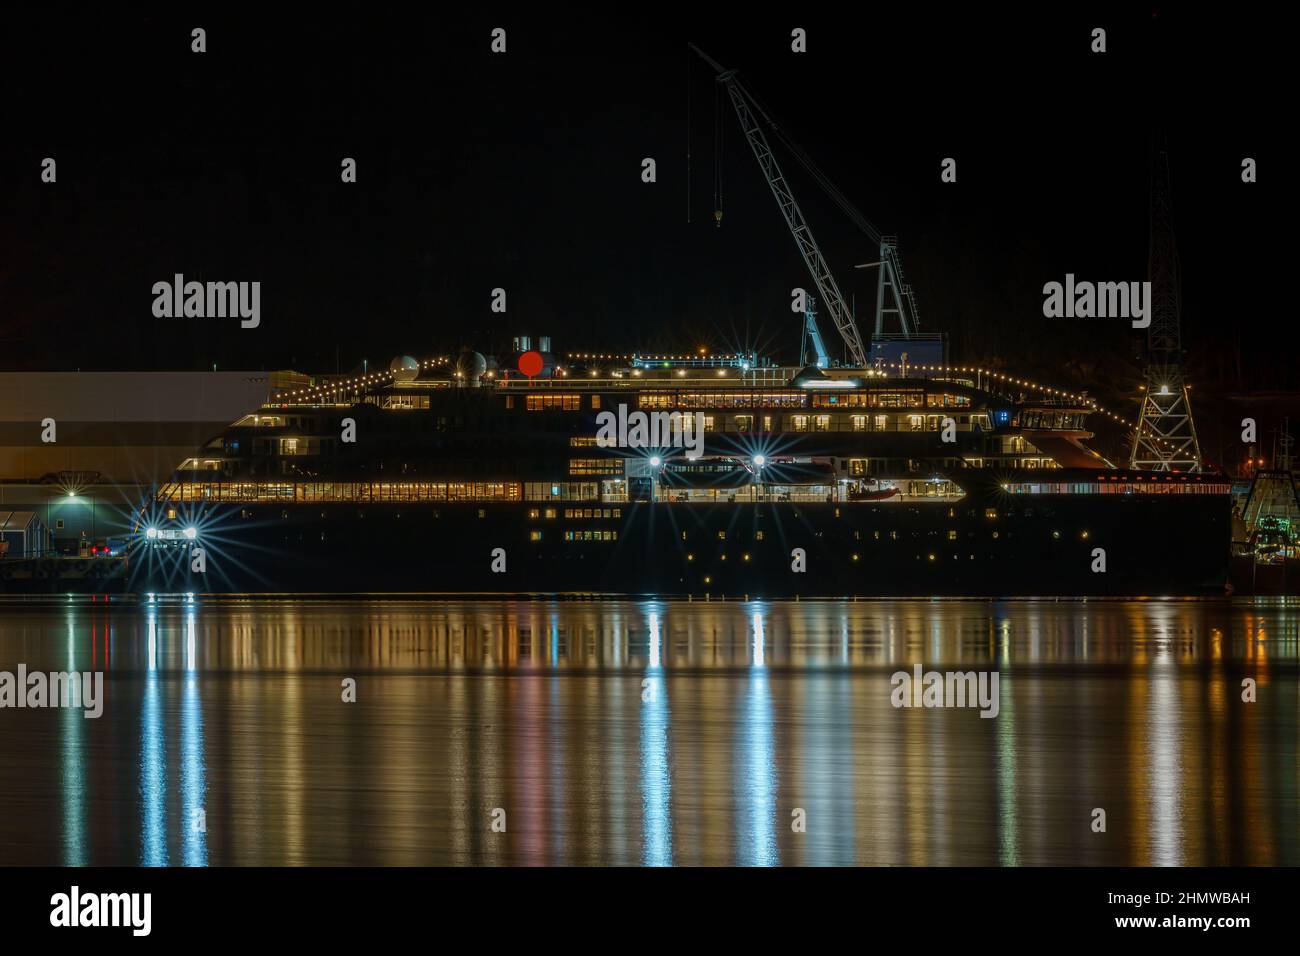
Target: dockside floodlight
{"type": "Point", "coordinates": [655, 461]}
{"type": "Point", "coordinates": [151, 532]}
{"type": "Point", "coordinates": [759, 461]}
{"type": "Point", "coordinates": [191, 533]}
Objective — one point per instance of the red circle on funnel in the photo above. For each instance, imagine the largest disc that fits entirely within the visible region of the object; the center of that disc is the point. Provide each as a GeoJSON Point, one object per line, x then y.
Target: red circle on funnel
{"type": "Point", "coordinates": [530, 363]}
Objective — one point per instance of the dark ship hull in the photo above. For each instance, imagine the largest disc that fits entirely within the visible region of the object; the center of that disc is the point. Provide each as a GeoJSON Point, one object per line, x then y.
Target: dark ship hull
{"type": "Point", "coordinates": [1153, 545]}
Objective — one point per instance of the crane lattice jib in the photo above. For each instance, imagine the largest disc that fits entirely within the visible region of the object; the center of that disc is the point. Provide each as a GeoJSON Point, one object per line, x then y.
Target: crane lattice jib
{"type": "Point", "coordinates": [794, 218]}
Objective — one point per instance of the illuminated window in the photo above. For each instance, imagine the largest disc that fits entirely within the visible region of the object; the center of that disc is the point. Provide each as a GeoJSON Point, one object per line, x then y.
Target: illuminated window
{"type": "Point", "coordinates": [896, 399]}
{"type": "Point", "coordinates": [882, 422]}
{"type": "Point", "coordinates": [534, 536]}
{"type": "Point", "coordinates": [859, 423]}
{"type": "Point", "coordinates": [595, 401]}
{"type": "Point", "coordinates": [799, 423]}
{"type": "Point", "coordinates": [947, 401]}
{"type": "Point", "coordinates": [570, 403]}
{"type": "Point", "coordinates": [595, 466]}
{"type": "Point", "coordinates": [822, 423]}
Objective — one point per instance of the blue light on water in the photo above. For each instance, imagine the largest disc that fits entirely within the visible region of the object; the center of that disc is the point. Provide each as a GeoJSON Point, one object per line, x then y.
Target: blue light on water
{"type": "Point", "coordinates": [656, 775]}
{"type": "Point", "coordinates": [193, 775]}
{"type": "Point", "coordinates": [153, 762]}
{"type": "Point", "coordinates": [756, 786]}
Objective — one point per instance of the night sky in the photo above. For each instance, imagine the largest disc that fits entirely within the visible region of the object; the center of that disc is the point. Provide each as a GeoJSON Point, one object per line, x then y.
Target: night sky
{"type": "Point", "coordinates": [523, 171]}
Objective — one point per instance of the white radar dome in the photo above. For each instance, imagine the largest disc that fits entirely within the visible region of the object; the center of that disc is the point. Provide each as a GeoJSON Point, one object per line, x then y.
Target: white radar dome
{"type": "Point", "coordinates": [404, 368]}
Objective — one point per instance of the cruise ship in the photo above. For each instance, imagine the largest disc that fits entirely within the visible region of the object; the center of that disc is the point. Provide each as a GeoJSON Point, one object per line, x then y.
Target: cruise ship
{"type": "Point", "coordinates": [464, 476]}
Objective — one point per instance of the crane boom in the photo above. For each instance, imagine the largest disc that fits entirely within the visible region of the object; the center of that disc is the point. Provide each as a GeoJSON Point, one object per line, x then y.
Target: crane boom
{"type": "Point", "coordinates": [794, 218]}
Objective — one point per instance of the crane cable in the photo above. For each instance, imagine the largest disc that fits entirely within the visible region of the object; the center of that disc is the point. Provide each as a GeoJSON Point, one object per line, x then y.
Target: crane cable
{"type": "Point", "coordinates": [688, 136]}
{"type": "Point", "coordinates": [717, 153]}
{"type": "Point", "coordinates": [810, 166]}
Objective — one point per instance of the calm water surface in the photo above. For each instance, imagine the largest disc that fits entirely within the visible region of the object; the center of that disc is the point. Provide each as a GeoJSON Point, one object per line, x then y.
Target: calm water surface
{"type": "Point", "coordinates": [652, 733]}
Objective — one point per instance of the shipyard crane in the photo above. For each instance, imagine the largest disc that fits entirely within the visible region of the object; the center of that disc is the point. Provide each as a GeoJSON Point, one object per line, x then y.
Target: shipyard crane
{"type": "Point", "coordinates": [1165, 438]}
{"type": "Point", "coordinates": [892, 294]}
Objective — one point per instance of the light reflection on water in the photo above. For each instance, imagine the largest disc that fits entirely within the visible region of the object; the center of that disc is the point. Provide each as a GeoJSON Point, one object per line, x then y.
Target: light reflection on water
{"type": "Point", "coordinates": [653, 733]}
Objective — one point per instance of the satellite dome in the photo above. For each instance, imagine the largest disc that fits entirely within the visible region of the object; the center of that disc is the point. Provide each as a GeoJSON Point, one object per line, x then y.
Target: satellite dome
{"type": "Point", "coordinates": [404, 368]}
{"type": "Point", "coordinates": [473, 364]}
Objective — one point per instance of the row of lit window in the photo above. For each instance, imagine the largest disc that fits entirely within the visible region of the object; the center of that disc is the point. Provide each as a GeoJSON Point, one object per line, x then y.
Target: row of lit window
{"type": "Point", "coordinates": [722, 400]}
{"type": "Point", "coordinates": [550, 513]}
{"type": "Point", "coordinates": [591, 536]}
{"type": "Point", "coordinates": [538, 403]}
{"type": "Point", "coordinates": [1115, 488]}
{"type": "Point", "coordinates": [905, 399]}
{"type": "Point", "coordinates": [291, 446]}
{"type": "Point", "coordinates": [595, 466]}
{"type": "Point", "coordinates": [561, 491]}
{"type": "Point", "coordinates": [343, 491]}
{"type": "Point", "coordinates": [1058, 421]}
{"type": "Point", "coordinates": [820, 423]}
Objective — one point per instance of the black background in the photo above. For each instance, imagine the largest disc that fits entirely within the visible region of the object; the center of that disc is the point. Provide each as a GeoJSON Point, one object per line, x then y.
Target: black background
{"type": "Point", "coordinates": [523, 171]}
{"type": "Point", "coordinates": [743, 907]}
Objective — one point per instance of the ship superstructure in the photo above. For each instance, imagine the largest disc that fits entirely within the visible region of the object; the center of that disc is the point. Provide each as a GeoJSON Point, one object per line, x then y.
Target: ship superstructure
{"type": "Point", "coordinates": [890, 481]}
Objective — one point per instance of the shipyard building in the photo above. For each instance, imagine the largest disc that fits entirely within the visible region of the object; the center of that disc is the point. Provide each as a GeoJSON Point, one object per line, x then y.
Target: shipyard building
{"type": "Point", "coordinates": [80, 451]}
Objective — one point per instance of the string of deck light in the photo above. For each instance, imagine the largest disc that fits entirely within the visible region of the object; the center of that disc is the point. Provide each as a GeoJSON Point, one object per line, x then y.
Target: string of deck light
{"type": "Point", "coordinates": [1073, 396]}
{"type": "Point", "coordinates": [308, 395]}
{"type": "Point", "coordinates": [314, 393]}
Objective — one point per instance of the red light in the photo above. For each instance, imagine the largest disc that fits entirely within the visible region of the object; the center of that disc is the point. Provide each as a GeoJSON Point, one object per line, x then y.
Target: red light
{"type": "Point", "coordinates": [531, 363]}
